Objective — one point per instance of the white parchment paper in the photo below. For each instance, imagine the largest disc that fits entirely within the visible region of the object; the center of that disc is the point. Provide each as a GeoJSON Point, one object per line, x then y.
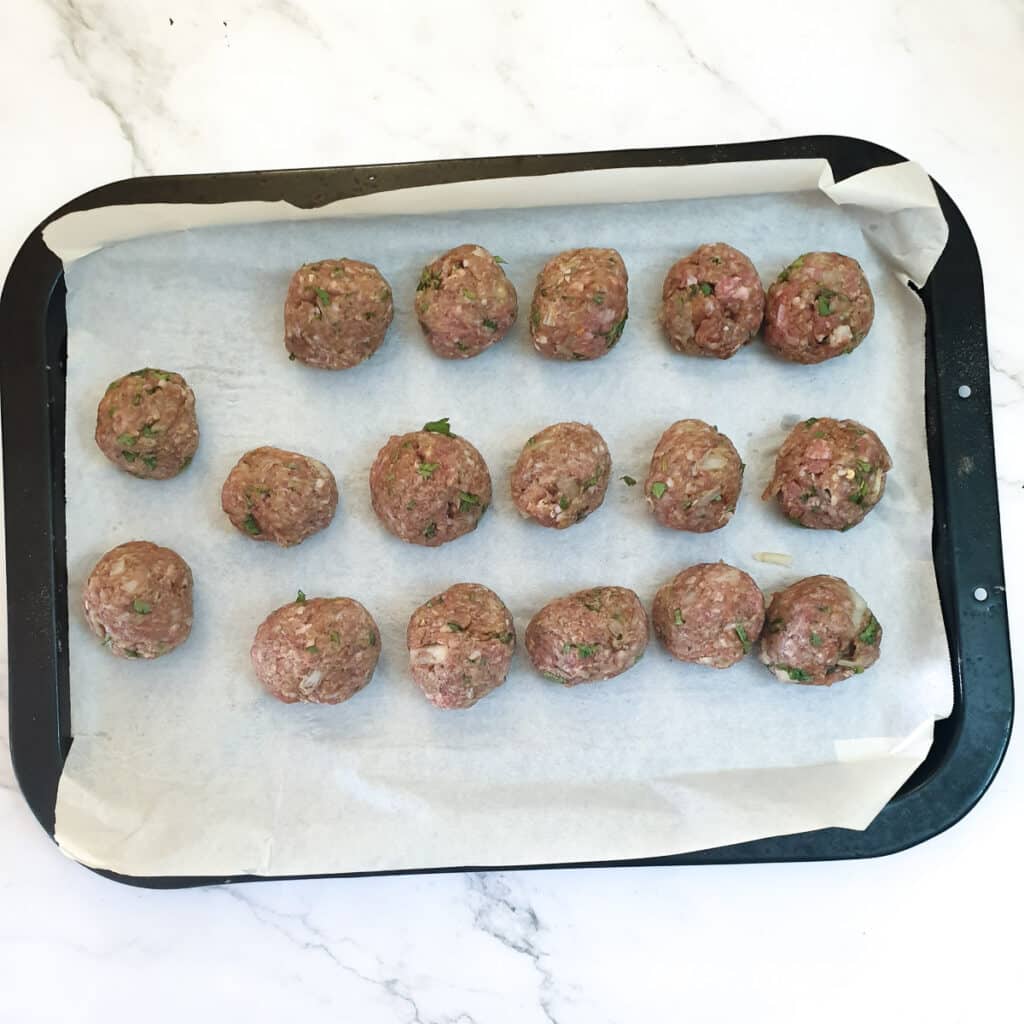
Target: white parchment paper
{"type": "Point", "coordinates": [184, 766]}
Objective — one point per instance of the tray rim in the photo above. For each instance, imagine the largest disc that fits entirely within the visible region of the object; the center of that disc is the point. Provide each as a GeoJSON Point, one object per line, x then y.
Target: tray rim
{"type": "Point", "coordinates": [974, 738]}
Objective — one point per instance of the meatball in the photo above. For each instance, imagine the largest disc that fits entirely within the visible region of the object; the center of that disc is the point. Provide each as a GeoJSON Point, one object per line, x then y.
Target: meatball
{"type": "Point", "coordinates": [320, 650]}
{"type": "Point", "coordinates": [138, 600]}
{"type": "Point", "coordinates": [829, 474]}
{"type": "Point", "coordinates": [430, 486]}
{"type": "Point", "coordinates": [464, 302]}
{"type": "Point", "coordinates": [580, 304]}
{"type": "Point", "coordinates": [146, 424]}
{"type": "Point", "coordinates": [712, 302]}
{"type": "Point", "coordinates": [336, 313]}
{"type": "Point", "coordinates": [711, 614]}
{"type": "Point", "coordinates": [272, 494]}
{"type": "Point", "coordinates": [819, 307]}
{"type": "Point", "coordinates": [819, 631]}
{"type": "Point", "coordinates": [590, 635]}
{"type": "Point", "coordinates": [695, 478]}
{"type": "Point", "coordinates": [561, 475]}
{"type": "Point", "coordinates": [460, 645]}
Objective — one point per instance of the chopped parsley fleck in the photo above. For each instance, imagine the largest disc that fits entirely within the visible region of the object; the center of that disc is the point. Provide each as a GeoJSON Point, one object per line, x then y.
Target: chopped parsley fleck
{"type": "Point", "coordinates": [863, 466]}
{"type": "Point", "coordinates": [251, 526]}
{"type": "Point", "coordinates": [586, 650]}
{"type": "Point", "coordinates": [132, 654]}
{"type": "Point", "coordinates": [300, 598]}
{"type": "Point", "coordinates": [563, 502]}
{"type": "Point", "coordinates": [137, 400]}
{"type": "Point", "coordinates": [611, 336]}
{"type": "Point", "coordinates": [658, 489]}
{"type": "Point", "coordinates": [430, 530]}
{"type": "Point", "coordinates": [467, 501]}
{"type": "Point", "coordinates": [186, 462]}
{"type": "Point", "coordinates": [706, 289]}
{"type": "Point", "coordinates": [498, 259]}
{"type": "Point", "coordinates": [461, 347]}
{"type": "Point", "coordinates": [869, 634]}
{"type": "Point", "coordinates": [535, 317]}
{"type": "Point", "coordinates": [491, 325]}
{"type": "Point", "coordinates": [824, 306]}
{"type": "Point", "coordinates": [149, 431]}
{"type": "Point", "coordinates": [372, 639]}
{"type": "Point", "coordinates": [335, 637]}
{"type": "Point", "coordinates": [744, 639]}
{"type": "Point", "coordinates": [142, 607]}
{"type": "Point", "coordinates": [129, 456]}
{"type": "Point", "coordinates": [454, 627]}
{"type": "Point", "coordinates": [428, 279]}
{"type": "Point", "coordinates": [126, 440]}
{"type": "Point", "coordinates": [598, 298]}
{"type": "Point", "coordinates": [410, 504]}
{"type": "Point", "coordinates": [426, 469]}
{"type": "Point", "coordinates": [810, 422]}
{"type": "Point", "coordinates": [150, 461]}
{"type": "Point", "coordinates": [860, 494]}
{"type": "Point", "coordinates": [323, 296]}
{"type": "Point", "coordinates": [798, 675]}
{"type": "Point", "coordinates": [677, 616]}
{"type": "Point", "coordinates": [555, 677]}
{"type": "Point", "coordinates": [628, 480]}
{"type": "Point", "coordinates": [506, 638]}
{"type": "Point", "coordinates": [469, 294]}
{"type": "Point", "coordinates": [313, 649]}
{"type": "Point", "coordinates": [591, 481]}
{"type": "Point", "coordinates": [815, 640]}
{"type": "Point", "coordinates": [440, 426]}
{"type": "Point", "coordinates": [292, 357]}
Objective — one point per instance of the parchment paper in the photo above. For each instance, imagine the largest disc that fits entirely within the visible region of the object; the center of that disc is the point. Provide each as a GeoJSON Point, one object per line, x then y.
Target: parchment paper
{"type": "Point", "coordinates": [184, 766]}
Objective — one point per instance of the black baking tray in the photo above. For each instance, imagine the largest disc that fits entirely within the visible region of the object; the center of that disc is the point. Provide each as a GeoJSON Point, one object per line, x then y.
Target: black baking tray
{"type": "Point", "coordinates": [969, 745]}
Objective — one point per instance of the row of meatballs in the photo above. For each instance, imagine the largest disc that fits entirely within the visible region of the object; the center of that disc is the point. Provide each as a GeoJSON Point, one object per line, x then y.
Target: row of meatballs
{"type": "Point", "coordinates": [138, 600]}
{"type": "Point", "coordinates": [337, 312]}
{"type": "Point", "coordinates": [431, 486]}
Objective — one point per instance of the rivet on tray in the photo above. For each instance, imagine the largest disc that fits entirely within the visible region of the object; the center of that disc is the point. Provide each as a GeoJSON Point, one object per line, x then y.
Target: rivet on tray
{"type": "Point", "coordinates": [964, 391]}
{"type": "Point", "coordinates": [980, 594]}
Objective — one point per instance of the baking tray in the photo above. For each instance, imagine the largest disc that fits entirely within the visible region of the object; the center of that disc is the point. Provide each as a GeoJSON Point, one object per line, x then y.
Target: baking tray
{"type": "Point", "coordinates": [968, 746]}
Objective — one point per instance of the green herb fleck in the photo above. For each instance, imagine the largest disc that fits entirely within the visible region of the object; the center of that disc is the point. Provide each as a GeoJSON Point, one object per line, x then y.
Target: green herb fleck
{"type": "Point", "coordinates": [469, 294]}
{"type": "Point", "coordinates": [863, 466]}
{"type": "Point", "coordinates": [454, 627]}
{"type": "Point", "coordinates": [615, 333]}
{"type": "Point", "coordinates": [428, 279]}
{"type": "Point", "coordinates": [129, 456]}
{"type": "Point", "coordinates": [132, 654]}
{"type": "Point", "coordinates": [798, 675]}
{"type": "Point", "coordinates": [598, 298]}
{"type": "Point", "coordinates": [440, 426]}
{"type": "Point", "coordinates": [137, 400]}
{"type": "Point", "coordinates": [555, 677]}
{"type": "Point", "coordinates": [300, 598]}
{"type": "Point", "coordinates": [563, 502]}
{"type": "Point", "coordinates": [658, 489]}
{"type": "Point", "coordinates": [148, 431]}
{"type": "Point", "coordinates": [461, 347]}
{"type": "Point", "coordinates": [498, 259]}
{"type": "Point", "coordinates": [323, 296]}
{"type": "Point", "coordinates": [810, 422]}
{"type": "Point", "coordinates": [586, 650]}
{"type": "Point", "coordinates": [506, 638]}
{"type": "Point", "coordinates": [372, 639]}
{"type": "Point", "coordinates": [744, 639]}
{"type": "Point", "coordinates": [467, 501]}
{"type": "Point", "coordinates": [186, 462]}
{"type": "Point", "coordinates": [431, 530]}
{"type": "Point", "coordinates": [824, 307]}
{"type": "Point", "coordinates": [869, 634]}
{"type": "Point", "coordinates": [491, 325]}
{"type": "Point", "coordinates": [860, 494]}
{"type": "Point", "coordinates": [815, 640]}
{"type": "Point", "coordinates": [313, 649]}
{"type": "Point", "coordinates": [292, 357]}
{"type": "Point", "coordinates": [335, 637]}
{"type": "Point", "coordinates": [677, 616]}
{"type": "Point", "coordinates": [706, 288]}
{"type": "Point", "coordinates": [150, 461]}
{"type": "Point", "coordinates": [251, 526]}
{"type": "Point", "coordinates": [591, 481]}
{"type": "Point", "coordinates": [410, 504]}
{"type": "Point", "coordinates": [426, 469]}
{"type": "Point", "coordinates": [628, 480]}
{"type": "Point", "coordinates": [535, 317]}
{"type": "Point", "coordinates": [126, 440]}
{"type": "Point", "coordinates": [142, 607]}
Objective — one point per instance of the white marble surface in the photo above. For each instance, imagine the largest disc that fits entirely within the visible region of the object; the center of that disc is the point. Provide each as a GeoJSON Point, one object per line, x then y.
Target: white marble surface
{"type": "Point", "coordinates": [94, 90]}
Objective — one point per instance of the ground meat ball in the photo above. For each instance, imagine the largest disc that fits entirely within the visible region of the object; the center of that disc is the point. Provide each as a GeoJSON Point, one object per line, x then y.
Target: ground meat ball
{"type": "Point", "coordinates": [590, 635]}
{"type": "Point", "coordinates": [712, 302]}
{"type": "Point", "coordinates": [429, 487]}
{"type": "Point", "coordinates": [464, 302]}
{"type": "Point", "coordinates": [710, 614]}
{"type": "Point", "coordinates": [336, 313]}
{"type": "Point", "coordinates": [146, 424]}
{"type": "Point", "coordinates": [460, 645]}
{"type": "Point", "coordinates": [829, 474]}
{"type": "Point", "coordinates": [561, 475]}
{"type": "Point", "coordinates": [819, 307]}
{"type": "Point", "coordinates": [320, 650]}
{"type": "Point", "coordinates": [695, 478]}
{"type": "Point", "coordinates": [272, 494]}
{"type": "Point", "coordinates": [138, 600]}
{"type": "Point", "coordinates": [580, 304]}
{"type": "Point", "coordinates": [819, 631]}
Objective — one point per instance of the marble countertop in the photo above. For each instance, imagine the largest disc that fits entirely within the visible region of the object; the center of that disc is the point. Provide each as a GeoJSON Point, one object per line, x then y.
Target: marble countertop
{"type": "Point", "coordinates": [97, 90]}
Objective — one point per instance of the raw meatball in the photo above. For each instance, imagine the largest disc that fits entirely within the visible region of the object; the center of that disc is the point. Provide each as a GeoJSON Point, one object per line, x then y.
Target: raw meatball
{"type": "Point", "coordinates": [561, 475]}
{"type": "Point", "coordinates": [138, 600]}
{"type": "Point", "coordinates": [580, 304]}
{"type": "Point", "coordinates": [712, 302]}
{"type": "Point", "coordinates": [146, 424]}
{"type": "Point", "coordinates": [695, 478]}
{"type": "Point", "coordinates": [430, 486]}
{"type": "Point", "coordinates": [711, 614]}
{"type": "Point", "coordinates": [819, 631]}
{"type": "Point", "coordinates": [321, 650]}
{"type": "Point", "coordinates": [464, 302]}
{"type": "Point", "coordinates": [336, 313]}
{"type": "Point", "coordinates": [819, 307]}
{"type": "Point", "coordinates": [272, 494]}
{"type": "Point", "coordinates": [460, 645]}
{"type": "Point", "coordinates": [829, 474]}
{"type": "Point", "coordinates": [590, 635]}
